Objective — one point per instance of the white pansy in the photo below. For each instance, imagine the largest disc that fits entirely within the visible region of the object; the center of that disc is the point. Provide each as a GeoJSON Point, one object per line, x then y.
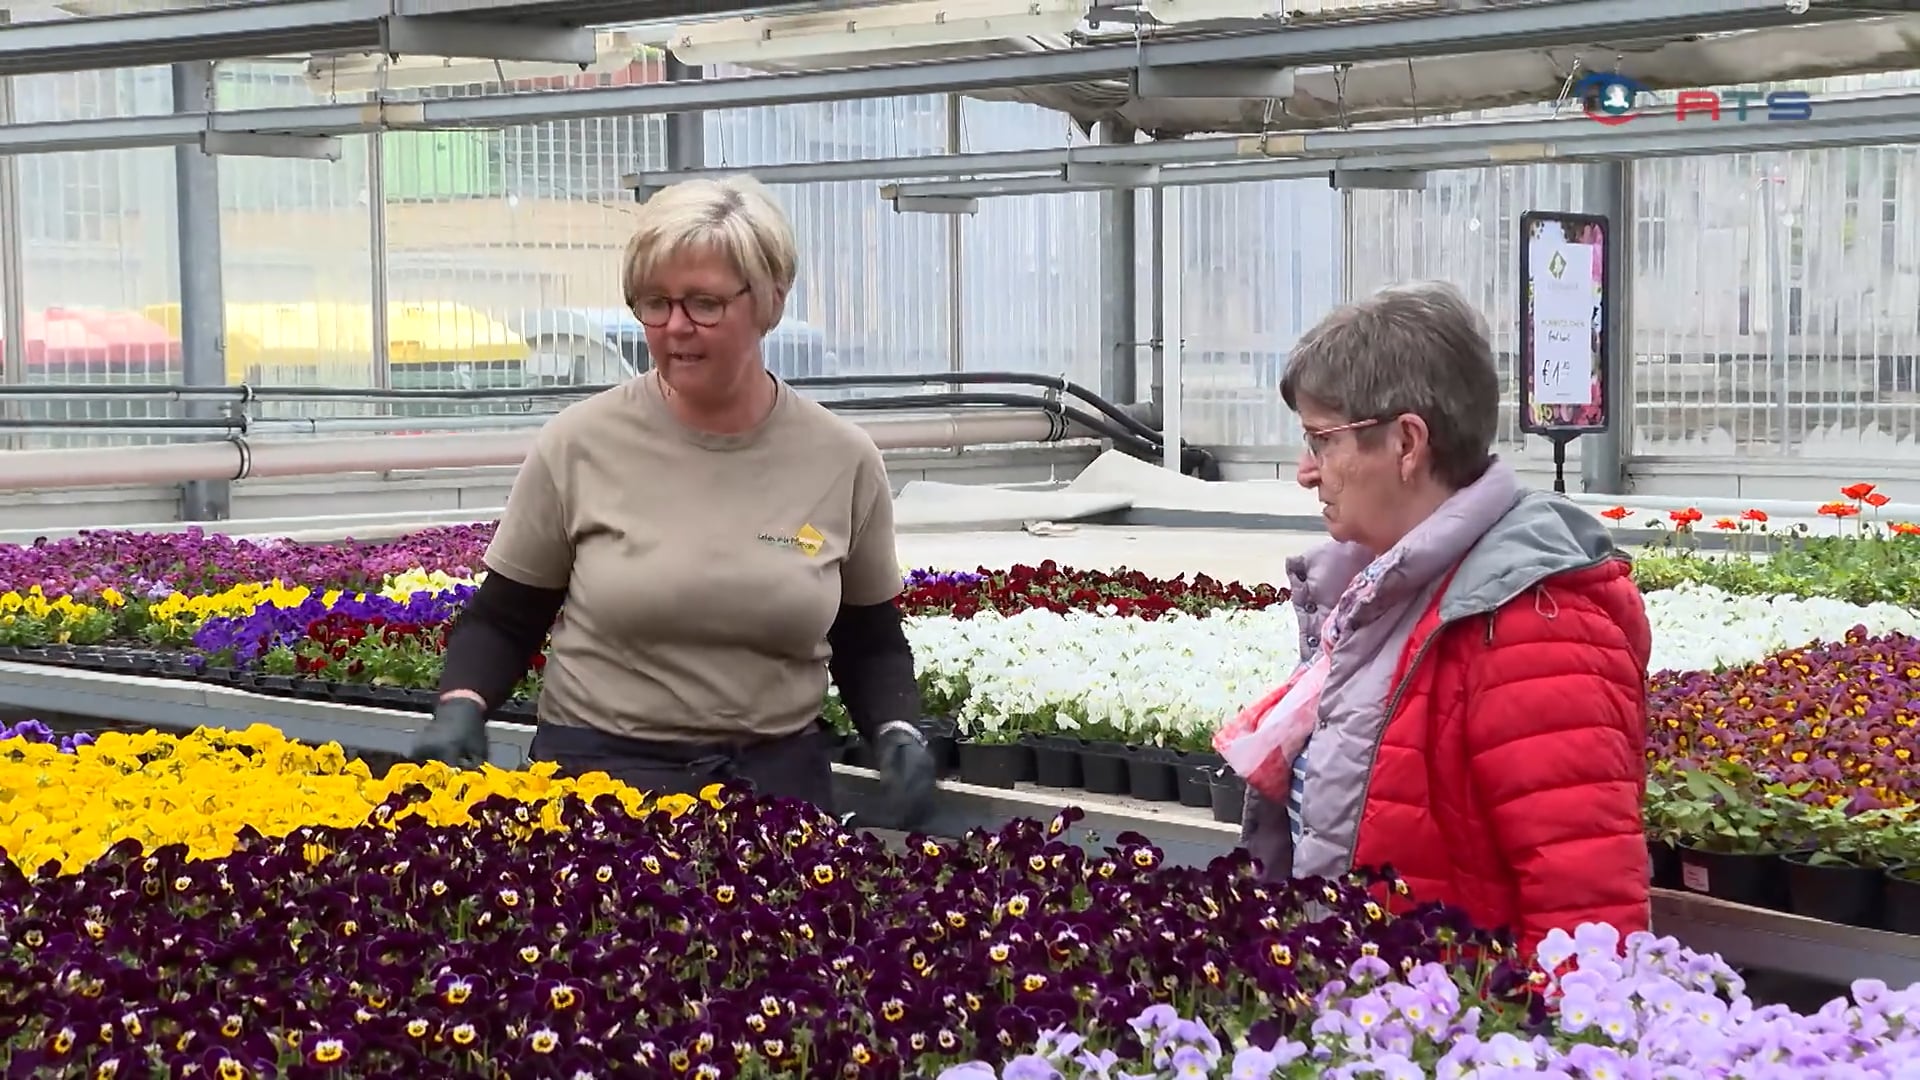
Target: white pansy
{"type": "Point", "coordinates": [1179, 677]}
{"type": "Point", "coordinates": [410, 583]}
{"type": "Point", "coordinates": [1699, 627]}
{"type": "Point", "coordinates": [1156, 680]}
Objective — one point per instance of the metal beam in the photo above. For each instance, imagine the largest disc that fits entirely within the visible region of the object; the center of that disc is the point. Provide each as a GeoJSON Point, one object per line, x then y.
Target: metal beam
{"type": "Point", "coordinates": [485, 39]}
{"type": "Point", "coordinates": [1650, 128]}
{"type": "Point", "coordinates": [1565, 22]}
{"type": "Point", "coordinates": [934, 204]}
{"type": "Point", "coordinates": [1593, 144]}
{"type": "Point", "coordinates": [282, 27]}
{"type": "Point", "coordinates": [187, 129]}
{"type": "Point", "coordinates": [1213, 81]}
{"type": "Point", "coordinates": [1346, 179]}
{"type": "Point", "coordinates": [248, 144]}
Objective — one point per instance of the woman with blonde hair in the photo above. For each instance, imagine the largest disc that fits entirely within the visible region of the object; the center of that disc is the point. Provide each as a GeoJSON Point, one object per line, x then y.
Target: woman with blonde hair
{"type": "Point", "coordinates": [705, 544]}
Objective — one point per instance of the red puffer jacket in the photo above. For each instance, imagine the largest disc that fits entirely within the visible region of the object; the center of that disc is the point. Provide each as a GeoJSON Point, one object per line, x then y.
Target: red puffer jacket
{"type": "Point", "coordinates": [1511, 773]}
{"type": "Point", "coordinates": [1482, 729]}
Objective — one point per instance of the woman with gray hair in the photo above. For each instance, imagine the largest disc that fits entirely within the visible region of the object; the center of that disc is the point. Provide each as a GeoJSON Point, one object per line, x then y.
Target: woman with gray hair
{"type": "Point", "coordinates": [712, 545]}
{"type": "Point", "coordinates": [1470, 704]}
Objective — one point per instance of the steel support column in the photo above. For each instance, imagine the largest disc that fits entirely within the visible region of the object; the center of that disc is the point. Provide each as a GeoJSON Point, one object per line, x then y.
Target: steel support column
{"type": "Point", "coordinates": [956, 256]}
{"type": "Point", "coordinates": [13, 304]}
{"type": "Point", "coordinates": [202, 296]}
{"type": "Point", "coordinates": [382, 375]}
{"type": "Point", "coordinates": [686, 131]}
{"type": "Point", "coordinates": [1603, 457]}
{"type": "Point", "coordinates": [1119, 330]}
{"type": "Point", "coordinates": [1170, 301]}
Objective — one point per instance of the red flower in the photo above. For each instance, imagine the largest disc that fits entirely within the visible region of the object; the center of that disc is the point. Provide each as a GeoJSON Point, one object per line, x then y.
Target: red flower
{"type": "Point", "coordinates": [1726, 523]}
{"type": "Point", "coordinates": [1839, 510]}
{"type": "Point", "coordinates": [1618, 513]}
{"type": "Point", "coordinates": [1877, 500]}
{"type": "Point", "coordinates": [1857, 491]}
{"type": "Point", "coordinates": [1686, 517]}
{"type": "Point", "coordinates": [1754, 515]}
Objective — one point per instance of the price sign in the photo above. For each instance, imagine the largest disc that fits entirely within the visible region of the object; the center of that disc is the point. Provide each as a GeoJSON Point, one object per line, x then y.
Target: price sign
{"type": "Point", "coordinates": [1561, 369]}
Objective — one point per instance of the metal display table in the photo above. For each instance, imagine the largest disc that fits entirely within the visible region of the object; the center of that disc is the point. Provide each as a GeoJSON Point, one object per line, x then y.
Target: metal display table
{"type": "Point", "coordinates": [1745, 937]}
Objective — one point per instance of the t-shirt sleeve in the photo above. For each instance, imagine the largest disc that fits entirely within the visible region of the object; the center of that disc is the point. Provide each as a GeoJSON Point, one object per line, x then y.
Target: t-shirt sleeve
{"type": "Point", "coordinates": [533, 543]}
{"type": "Point", "coordinates": [871, 573]}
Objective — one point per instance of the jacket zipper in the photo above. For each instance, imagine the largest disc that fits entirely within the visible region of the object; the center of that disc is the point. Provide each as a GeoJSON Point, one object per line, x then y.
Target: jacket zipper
{"type": "Point", "coordinates": [1400, 689]}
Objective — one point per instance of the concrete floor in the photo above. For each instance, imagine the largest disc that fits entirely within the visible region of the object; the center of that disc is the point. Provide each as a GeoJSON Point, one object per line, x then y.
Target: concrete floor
{"type": "Point", "coordinates": [1251, 557]}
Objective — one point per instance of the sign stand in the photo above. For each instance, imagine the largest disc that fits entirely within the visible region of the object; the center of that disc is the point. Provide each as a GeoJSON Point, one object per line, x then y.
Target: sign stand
{"type": "Point", "coordinates": [1560, 441]}
{"type": "Point", "coordinates": [1560, 368]}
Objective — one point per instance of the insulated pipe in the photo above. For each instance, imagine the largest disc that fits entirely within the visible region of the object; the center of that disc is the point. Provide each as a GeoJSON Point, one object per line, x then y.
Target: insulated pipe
{"type": "Point", "coordinates": [240, 459]}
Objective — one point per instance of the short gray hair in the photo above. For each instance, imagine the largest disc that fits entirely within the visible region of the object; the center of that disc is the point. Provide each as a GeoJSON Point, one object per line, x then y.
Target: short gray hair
{"type": "Point", "coordinates": [735, 217]}
{"type": "Point", "coordinates": [1418, 348]}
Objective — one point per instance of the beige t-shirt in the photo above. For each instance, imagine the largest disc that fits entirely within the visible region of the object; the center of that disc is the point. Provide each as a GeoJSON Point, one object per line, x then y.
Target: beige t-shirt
{"type": "Point", "coordinates": [702, 571]}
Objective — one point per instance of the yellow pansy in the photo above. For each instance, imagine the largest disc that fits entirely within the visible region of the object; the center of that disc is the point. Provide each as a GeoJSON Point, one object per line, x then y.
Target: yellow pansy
{"type": "Point", "coordinates": [200, 789]}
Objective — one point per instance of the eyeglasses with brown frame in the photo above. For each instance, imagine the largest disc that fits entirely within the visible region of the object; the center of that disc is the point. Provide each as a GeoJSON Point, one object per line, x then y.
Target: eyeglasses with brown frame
{"type": "Point", "coordinates": [1317, 437]}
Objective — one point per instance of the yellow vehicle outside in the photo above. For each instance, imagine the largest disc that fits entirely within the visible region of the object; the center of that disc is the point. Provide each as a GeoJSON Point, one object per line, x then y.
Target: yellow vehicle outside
{"type": "Point", "coordinates": [432, 345]}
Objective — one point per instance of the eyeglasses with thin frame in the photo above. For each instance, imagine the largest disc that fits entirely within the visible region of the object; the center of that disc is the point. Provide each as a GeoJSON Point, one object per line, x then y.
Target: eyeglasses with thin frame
{"type": "Point", "coordinates": [702, 310]}
{"type": "Point", "coordinates": [1317, 437]}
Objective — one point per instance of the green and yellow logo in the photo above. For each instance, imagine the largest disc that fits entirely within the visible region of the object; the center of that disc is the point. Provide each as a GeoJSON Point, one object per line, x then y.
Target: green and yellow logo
{"type": "Point", "coordinates": [809, 540]}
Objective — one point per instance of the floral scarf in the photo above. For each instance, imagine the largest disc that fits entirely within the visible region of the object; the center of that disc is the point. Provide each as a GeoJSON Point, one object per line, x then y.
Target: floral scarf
{"type": "Point", "coordinates": [1262, 741]}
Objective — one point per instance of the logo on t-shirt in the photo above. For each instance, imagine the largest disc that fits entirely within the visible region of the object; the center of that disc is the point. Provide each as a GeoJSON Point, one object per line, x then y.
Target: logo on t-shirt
{"type": "Point", "coordinates": [809, 540]}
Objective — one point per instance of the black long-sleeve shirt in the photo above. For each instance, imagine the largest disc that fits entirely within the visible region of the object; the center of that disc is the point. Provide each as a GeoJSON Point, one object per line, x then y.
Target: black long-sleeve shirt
{"type": "Point", "coordinates": [495, 637]}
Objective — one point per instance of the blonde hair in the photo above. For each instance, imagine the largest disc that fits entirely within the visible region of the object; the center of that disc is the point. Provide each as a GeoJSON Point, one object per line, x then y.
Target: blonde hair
{"type": "Point", "coordinates": [735, 218]}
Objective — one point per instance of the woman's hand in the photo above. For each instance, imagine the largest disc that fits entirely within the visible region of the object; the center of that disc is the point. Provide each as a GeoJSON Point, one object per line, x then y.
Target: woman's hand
{"type": "Point", "coordinates": [907, 771]}
{"type": "Point", "coordinates": [457, 735]}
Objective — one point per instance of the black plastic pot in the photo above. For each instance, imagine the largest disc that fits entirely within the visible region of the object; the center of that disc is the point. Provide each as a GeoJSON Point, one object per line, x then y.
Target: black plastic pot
{"type": "Point", "coordinates": [1848, 895]}
{"type": "Point", "coordinates": [1666, 864]}
{"type": "Point", "coordinates": [1000, 765]}
{"type": "Point", "coordinates": [391, 697]}
{"type": "Point", "coordinates": [353, 694]}
{"type": "Point", "coordinates": [315, 690]}
{"type": "Point", "coordinates": [1229, 797]}
{"type": "Point", "coordinates": [1150, 777]}
{"type": "Point", "coordinates": [942, 743]}
{"type": "Point", "coordinates": [1196, 785]}
{"type": "Point", "coordinates": [1056, 766]}
{"type": "Point", "coordinates": [1756, 880]}
{"type": "Point", "coordinates": [1103, 772]}
{"type": "Point", "coordinates": [1900, 900]}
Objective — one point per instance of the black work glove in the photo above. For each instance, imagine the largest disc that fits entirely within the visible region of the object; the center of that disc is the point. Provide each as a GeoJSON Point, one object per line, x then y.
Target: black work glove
{"type": "Point", "coordinates": [907, 771]}
{"type": "Point", "coordinates": [457, 735]}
